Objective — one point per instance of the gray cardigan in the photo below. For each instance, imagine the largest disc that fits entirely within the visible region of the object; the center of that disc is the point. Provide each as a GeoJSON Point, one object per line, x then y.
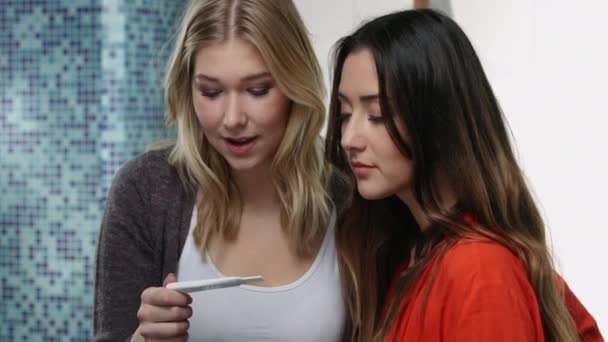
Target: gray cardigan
{"type": "Point", "coordinates": [142, 233]}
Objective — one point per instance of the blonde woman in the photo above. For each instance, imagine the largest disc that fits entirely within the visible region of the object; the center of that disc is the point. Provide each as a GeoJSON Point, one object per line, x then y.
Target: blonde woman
{"type": "Point", "coordinates": [240, 192]}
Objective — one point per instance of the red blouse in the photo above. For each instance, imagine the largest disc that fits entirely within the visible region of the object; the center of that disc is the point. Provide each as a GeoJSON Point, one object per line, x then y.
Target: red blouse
{"type": "Point", "coordinates": [480, 292]}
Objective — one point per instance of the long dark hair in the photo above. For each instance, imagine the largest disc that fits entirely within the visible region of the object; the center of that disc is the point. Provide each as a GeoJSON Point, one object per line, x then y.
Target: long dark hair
{"type": "Point", "coordinates": [431, 79]}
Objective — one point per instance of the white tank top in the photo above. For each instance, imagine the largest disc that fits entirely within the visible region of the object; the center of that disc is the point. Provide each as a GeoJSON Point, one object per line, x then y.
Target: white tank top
{"type": "Point", "coordinates": [310, 309]}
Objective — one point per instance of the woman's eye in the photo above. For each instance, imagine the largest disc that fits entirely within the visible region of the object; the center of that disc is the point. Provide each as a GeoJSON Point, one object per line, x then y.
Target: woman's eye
{"type": "Point", "coordinates": [342, 117]}
{"type": "Point", "coordinates": [258, 91]}
{"type": "Point", "coordinates": [210, 93]}
{"type": "Point", "coordinates": [376, 118]}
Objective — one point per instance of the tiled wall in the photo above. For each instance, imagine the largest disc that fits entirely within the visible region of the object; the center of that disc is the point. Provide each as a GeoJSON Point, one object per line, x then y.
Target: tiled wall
{"type": "Point", "coordinates": [80, 92]}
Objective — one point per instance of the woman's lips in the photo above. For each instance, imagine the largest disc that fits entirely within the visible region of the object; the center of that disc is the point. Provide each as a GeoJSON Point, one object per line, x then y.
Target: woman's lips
{"type": "Point", "coordinates": [361, 169]}
{"type": "Point", "coordinates": [240, 145]}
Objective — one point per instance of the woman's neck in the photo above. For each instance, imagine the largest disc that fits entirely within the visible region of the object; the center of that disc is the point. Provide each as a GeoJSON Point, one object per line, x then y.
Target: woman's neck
{"type": "Point", "coordinates": [256, 189]}
{"type": "Point", "coordinates": [410, 200]}
{"type": "Point", "coordinates": [446, 199]}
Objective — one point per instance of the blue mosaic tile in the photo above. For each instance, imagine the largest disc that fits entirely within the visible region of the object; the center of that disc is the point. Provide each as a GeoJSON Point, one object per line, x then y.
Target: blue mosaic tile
{"type": "Point", "coordinates": [80, 92]}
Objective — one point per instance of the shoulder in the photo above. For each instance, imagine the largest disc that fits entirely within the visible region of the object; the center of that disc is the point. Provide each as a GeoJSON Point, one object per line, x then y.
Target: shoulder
{"type": "Point", "coordinates": [485, 277]}
{"type": "Point", "coordinates": [145, 164]}
{"type": "Point", "coordinates": [482, 293]}
{"type": "Point", "coordinates": [149, 170]}
{"type": "Point", "coordinates": [482, 261]}
{"type": "Point", "coordinates": [148, 177]}
{"type": "Point", "coordinates": [145, 194]}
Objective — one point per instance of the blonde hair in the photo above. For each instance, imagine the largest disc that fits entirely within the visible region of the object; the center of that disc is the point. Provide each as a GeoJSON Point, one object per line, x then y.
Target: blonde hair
{"type": "Point", "coordinates": [275, 28]}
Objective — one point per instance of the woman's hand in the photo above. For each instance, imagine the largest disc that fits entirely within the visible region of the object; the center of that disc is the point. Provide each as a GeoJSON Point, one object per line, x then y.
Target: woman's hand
{"type": "Point", "coordinates": [163, 313]}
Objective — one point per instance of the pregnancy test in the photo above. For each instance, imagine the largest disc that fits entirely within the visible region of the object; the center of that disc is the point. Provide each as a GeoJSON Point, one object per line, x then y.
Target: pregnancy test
{"type": "Point", "coordinates": [210, 284]}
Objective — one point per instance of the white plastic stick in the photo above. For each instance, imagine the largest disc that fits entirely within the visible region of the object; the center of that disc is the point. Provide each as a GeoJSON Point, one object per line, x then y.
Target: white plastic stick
{"type": "Point", "coordinates": [210, 284]}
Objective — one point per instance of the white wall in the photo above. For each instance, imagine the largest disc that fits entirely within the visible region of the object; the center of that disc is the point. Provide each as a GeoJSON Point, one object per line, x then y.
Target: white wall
{"type": "Point", "coordinates": [328, 20]}
{"type": "Point", "coordinates": [548, 63]}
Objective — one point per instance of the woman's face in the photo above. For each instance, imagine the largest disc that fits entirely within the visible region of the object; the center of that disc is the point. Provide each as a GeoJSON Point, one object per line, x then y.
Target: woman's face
{"type": "Point", "coordinates": [380, 168]}
{"type": "Point", "coordinates": [241, 111]}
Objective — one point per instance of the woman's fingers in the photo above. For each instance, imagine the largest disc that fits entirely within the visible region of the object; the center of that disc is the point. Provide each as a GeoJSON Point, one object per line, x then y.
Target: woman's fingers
{"type": "Point", "coordinates": [163, 313]}
{"type": "Point", "coordinates": [165, 297]}
{"type": "Point", "coordinates": [164, 330]}
{"type": "Point", "coordinates": [152, 313]}
{"type": "Point", "coordinates": [176, 339]}
{"type": "Point", "coordinates": [170, 278]}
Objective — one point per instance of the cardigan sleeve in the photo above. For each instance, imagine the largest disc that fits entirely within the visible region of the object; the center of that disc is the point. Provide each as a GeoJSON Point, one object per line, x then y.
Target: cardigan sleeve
{"type": "Point", "coordinates": [127, 260]}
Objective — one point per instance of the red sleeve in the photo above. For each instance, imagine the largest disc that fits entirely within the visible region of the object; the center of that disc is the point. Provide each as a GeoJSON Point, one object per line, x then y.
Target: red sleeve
{"type": "Point", "coordinates": [490, 297]}
{"type": "Point", "coordinates": [494, 313]}
{"type": "Point", "coordinates": [587, 328]}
